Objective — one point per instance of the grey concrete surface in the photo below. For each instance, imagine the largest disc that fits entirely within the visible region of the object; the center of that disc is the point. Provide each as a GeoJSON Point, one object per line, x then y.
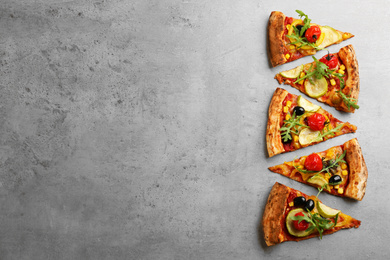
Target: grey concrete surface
{"type": "Point", "coordinates": [136, 129]}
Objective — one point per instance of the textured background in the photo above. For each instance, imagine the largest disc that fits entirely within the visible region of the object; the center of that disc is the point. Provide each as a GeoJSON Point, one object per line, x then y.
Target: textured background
{"type": "Point", "coordinates": [136, 129]}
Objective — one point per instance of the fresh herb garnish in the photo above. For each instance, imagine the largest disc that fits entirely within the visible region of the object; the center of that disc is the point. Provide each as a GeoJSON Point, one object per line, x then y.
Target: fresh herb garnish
{"type": "Point", "coordinates": [306, 22]}
{"type": "Point", "coordinates": [350, 102]}
{"type": "Point", "coordinates": [325, 185]}
{"type": "Point", "coordinates": [292, 125]}
{"type": "Point", "coordinates": [328, 132]}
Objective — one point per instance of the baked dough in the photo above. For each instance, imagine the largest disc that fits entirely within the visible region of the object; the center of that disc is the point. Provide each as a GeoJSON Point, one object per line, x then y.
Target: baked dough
{"type": "Point", "coordinates": [274, 214]}
{"type": "Point", "coordinates": [273, 138]}
{"type": "Point", "coordinates": [358, 170]}
{"type": "Point", "coordinates": [275, 38]}
{"type": "Point", "coordinates": [352, 85]}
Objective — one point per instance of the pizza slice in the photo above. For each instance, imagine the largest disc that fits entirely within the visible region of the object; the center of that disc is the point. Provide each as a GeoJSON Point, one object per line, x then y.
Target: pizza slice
{"type": "Point", "coordinates": [291, 215]}
{"type": "Point", "coordinates": [340, 170]}
{"type": "Point", "coordinates": [294, 123]}
{"type": "Point", "coordinates": [292, 38]}
{"type": "Point", "coordinates": [333, 79]}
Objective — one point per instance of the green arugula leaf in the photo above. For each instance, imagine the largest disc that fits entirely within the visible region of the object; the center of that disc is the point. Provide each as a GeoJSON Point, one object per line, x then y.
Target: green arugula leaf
{"type": "Point", "coordinates": [328, 132]}
{"type": "Point", "coordinates": [291, 125]}
{"type": "Point", "coordinates": [306, 22]}
{"type": "Point", "coordinates": [320, 223]}
{"type": "Point", "coordinates": [320, 70]}
{"type": "Point", "coordinates": [350, 102]}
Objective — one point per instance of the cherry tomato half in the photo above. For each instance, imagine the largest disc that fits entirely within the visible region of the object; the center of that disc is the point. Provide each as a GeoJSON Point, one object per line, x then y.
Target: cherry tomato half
{"type": "Point", "coordinates": [330, 60]}
{"type": "Point", "coordinates": [313, 162]}
{"type": "Point", "coordinates": [316, 122]}
{"type": "Point", "coordinates": [303, 225]}
{"type": "Point", "coordinates": [313, 33]}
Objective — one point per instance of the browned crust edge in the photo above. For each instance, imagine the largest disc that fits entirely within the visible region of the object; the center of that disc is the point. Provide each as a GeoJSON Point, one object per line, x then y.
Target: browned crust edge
{"type": "Point", "coordinates": [352, 85]}
{"type": "Point", "coordinates": [358, 175]}
{"type": "Point", "coordinates": [273, 214]}
{"type": "Point", "coordinates": [275, 38]}
{"type": "Point", "coordinates": [273, 138]}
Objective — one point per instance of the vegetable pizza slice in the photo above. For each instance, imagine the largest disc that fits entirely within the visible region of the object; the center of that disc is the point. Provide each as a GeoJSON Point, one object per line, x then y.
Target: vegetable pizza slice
{"type": "Point", "coordinates": [292, 38]}
{"type": "Point", "coordinates": [340, 170]}
{"type": "Point", "coordinates": [291, 215]}
{"type": "Point", "coordinates": [294, 123]}
{"type": "Point", "coordinates": [333, 79]}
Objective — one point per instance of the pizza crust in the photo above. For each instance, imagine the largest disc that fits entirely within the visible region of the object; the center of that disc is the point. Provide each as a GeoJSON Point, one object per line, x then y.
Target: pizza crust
{"type": "Point", "coordinates": [358, 173]}
{"type": "Point", "coordinates": [352, 85]}
{"type": "Point", "coordinates": [274, 213]}
{"type": "Point", "coordinates": [275, 38]}
{"type": "Point", "coordinates": [273, 138]}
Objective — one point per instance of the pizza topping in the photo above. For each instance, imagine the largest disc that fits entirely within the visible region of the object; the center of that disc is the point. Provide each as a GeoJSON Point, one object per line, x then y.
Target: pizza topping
{"type": "Point", "coordinates": [316, 122]}
{"type": "Point", "coordinates": [298, 110]}
{"type": "Point", "coordinates": [331, 37]}
{"type": "Point", "coordinates": [306, 22]}
{"type": "Point", "coordinates": [298, 215]}
{"type": "Point", "coordinates": [319, 70]}
{"type": "Point", "coordinates": [315, 87]}
{"type": "Point", "coordinates": [299, 201]}
{"type": "Point", "coordinates": [301, 221]}
{"type": "Point", "coordinates": [349, 101]}
{"type": "Point", "coordinates": [325, 211]}
{"type": "Point", "coordinates": [330, 60]}
{"type": "Point", "coordinates": [313, 162]}
{"type": "Point", "coordinates": [307, 105]}
{"type": "Point", "coordinates": [313, 33]}
{"type": "Point", "coordinates": [326, 218]}
{"type": "Point", "coordinates": [292, 74]}
{"type": "Point", "coordinates": [302, 224]}
{"type": "Point", "coordinates": [299, 27]}
{"type": "Point", "coordinates": [289, 127]}
{"type": "Point", "coordinates": [320, 223]}
{"type": "Point", "coordinates": [304, 35]}
{"type": "Point", "coordinates": [319, 181]}
{"type": "Point", "coordinates": [308, 136]}
{"type": "Point", "coordinates": [309, 206]}
{"type": "Point", "coordinates": [335, 179]}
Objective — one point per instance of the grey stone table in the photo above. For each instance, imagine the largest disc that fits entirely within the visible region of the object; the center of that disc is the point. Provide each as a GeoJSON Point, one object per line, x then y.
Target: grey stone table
{"type": "Point", "coordinates": [136, 129]}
